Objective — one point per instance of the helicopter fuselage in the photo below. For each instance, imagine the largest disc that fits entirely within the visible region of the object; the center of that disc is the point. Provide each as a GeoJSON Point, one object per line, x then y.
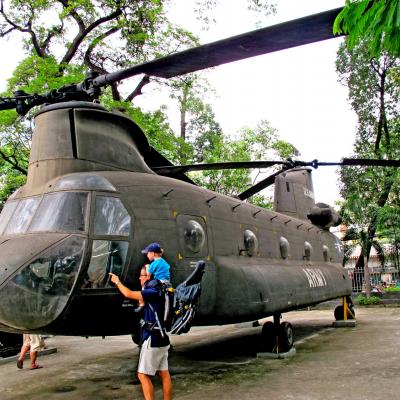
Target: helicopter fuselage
{"type": "Point", "coordinates": [75, 222]}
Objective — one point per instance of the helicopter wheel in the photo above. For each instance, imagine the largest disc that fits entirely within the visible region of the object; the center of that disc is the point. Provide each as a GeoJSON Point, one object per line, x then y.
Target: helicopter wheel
{"type": "Point", "coordinates": [268, 335]}
{"type": "Point", "coordinates": [277, 338]}
{"type": "Point", "coordinates": [286, 337]}
{"type": "Point", "coordinates": [339, 313]}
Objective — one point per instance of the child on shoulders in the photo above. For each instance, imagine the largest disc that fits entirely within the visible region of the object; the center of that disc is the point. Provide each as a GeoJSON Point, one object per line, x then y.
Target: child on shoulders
{"type": "Point", "coordinates": [158, 268]}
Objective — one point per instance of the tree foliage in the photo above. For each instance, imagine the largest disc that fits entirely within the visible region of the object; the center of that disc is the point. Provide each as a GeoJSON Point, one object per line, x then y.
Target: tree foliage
{"type": "Point", "coordinates": [375, 22]}
{"type": "Point", "coordinates": [373, 93]}
{"type": "Point", "coordinates": [357, 214]}
{"type": "Point", "coordinates": [64, 38]}
{"type": "Point", "coordinates": [259, 143]}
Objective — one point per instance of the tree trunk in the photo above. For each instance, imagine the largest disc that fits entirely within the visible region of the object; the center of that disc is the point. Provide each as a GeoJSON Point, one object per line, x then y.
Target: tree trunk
{"type": "Point", "coordinates": [382, 199]}
{"type": "Point", "coordinates": [358, 273]}
{"type": "Point", "coordinates": [183, 109]}
{"type": "Point", "coordinates": [367, 278]}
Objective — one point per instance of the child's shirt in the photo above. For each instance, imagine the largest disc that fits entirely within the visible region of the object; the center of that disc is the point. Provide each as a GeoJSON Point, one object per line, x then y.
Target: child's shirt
{"type": "Point", "coordinates": [159, 269]}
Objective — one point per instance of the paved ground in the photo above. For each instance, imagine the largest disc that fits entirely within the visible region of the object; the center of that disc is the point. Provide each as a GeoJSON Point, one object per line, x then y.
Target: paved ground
{"type": "Point", "coordinates": [361, 363]}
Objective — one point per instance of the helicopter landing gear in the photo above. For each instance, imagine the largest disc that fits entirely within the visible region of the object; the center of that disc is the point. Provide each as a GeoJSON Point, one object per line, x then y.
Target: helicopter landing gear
{"type": "Point", "coordinates": [277, 337]}
{"type": "Point", "coordinates": [345, 311]}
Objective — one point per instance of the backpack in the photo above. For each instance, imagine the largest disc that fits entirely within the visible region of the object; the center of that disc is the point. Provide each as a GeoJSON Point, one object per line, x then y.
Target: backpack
{"type": "Point", "coordinates": [163, 321]}
{"type": "Point", "coordinates": [186, 297]}
{"type": "Point", "coordinates": [180, 304]}
{"type": "Point", "coordinates": [169, 306]}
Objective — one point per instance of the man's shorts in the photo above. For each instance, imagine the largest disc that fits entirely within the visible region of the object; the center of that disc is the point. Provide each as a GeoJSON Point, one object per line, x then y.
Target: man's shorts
{"type": "Point", "coordinates": [152, 359]}
{"type": "Point", "coordinates": [35, 342]}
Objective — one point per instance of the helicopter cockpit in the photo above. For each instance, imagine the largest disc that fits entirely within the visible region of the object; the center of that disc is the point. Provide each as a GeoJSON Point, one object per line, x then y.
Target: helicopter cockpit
{"type": "Point", "coordinates": [59, 243]}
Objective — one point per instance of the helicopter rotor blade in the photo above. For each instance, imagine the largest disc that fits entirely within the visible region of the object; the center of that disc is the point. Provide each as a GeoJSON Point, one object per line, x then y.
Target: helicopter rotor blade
{"type": "Point", "coordinates": [309, 29]}
{"type": "Point", "coordinates": [172, 170]}
{"type": "Point", "coordinates": [182, 169]}
{"type": "Point", "coordinates": [360, 162]}
{"type": "Point", "coordinates": [251, 191]}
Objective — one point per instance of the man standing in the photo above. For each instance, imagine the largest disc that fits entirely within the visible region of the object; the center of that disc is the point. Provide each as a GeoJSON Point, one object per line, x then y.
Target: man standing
{"type": "Point", "coordinates": [153, 357]}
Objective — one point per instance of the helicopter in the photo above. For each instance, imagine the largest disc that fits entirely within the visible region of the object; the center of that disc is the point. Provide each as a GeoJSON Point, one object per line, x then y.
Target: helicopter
{"type": "Point", "coordinates": [97, 193]}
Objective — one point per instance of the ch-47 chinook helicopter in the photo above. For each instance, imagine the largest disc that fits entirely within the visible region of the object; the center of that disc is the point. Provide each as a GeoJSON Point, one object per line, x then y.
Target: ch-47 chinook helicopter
{"type": "Point", "coordinates": [97, 193]}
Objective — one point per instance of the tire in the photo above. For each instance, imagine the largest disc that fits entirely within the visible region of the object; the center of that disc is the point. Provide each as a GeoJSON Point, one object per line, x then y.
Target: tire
{"type": "Point", "coordinates": [268, 335]}
{"type": "Point", "coordinates": [339, 313]}
{"type": "Point", "coordinates": [286, 336]}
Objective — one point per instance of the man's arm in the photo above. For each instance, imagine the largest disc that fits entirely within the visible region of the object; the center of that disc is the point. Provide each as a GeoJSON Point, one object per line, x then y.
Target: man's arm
{"type": "Point", "coordinates": [130, 294]}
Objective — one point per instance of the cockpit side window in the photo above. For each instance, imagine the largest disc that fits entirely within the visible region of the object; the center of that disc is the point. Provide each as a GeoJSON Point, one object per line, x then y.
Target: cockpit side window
{"type": "Point", "coordinates": [107, 256]}
{"type": "Point", "coordinates": [6, 214]}
{"type": "Point", "coordinates": [110, 253]}
{"type": "Point", "coordinates": [61, 212]}
{"type": "Point", "coordinates": [22, 216]}
{"type": "Point", "coordinates": [111, 217]}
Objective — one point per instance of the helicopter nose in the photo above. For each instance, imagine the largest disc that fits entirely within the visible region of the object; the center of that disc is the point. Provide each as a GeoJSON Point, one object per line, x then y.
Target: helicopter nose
{"type": "Point", "coordinates": [37, 273]}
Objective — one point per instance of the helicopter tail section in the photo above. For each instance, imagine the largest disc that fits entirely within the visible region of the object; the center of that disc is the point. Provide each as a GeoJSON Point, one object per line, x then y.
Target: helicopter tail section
{"type": "Point", "coordinates": [294, 196]}
{"type": "Point", "coordinates": [294, 193]}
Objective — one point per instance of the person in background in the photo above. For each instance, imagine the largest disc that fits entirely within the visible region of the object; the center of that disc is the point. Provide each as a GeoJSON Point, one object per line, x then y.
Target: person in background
{"type": "Point", "coordinates": [153, 357]}
{"type": "Point", "coordinates": [31, 343]}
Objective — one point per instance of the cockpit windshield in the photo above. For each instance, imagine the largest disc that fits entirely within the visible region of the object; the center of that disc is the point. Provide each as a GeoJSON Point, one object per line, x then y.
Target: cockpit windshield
{"type": "Point", "coordinates": [63, 212]}
{"type": "Point", "coordinates": [54, 212]}
{"type": "Point", "coordinates": [22, 216]}
{"type": "Point", "coordinates": [6, 214]}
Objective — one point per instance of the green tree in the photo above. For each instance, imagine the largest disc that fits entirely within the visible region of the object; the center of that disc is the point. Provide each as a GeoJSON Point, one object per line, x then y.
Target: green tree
{"type": "Point", "coordinates": [259, 143]}
{"type": "Point", "coordinates": [356, 215]}
{"type": "Point", "coordinates": [63, 38]}
{"type": "Point", "coordinates": [373, 93]}
{"type": "Point", "coordinates": [10, 180]}
{"type": "Point", "coordinates": [375, 22]}
{"type": "Point", "coordinates": [197, 122]}
{"type": "Point", "coordinates": [389, 232]}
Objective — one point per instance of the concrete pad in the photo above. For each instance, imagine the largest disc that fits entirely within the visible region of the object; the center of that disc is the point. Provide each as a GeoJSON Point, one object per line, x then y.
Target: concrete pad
{"type": "Point", "coordinates": [220, 363]}
{"type": "Point", "coordinates": [349, 323]}
{"type": "Point", "coordinates": [288, 354]}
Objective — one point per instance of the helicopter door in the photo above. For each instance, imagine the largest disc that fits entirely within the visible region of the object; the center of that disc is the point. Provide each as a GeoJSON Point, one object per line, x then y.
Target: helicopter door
{"type": "Point", "coordinates": [192, 234]}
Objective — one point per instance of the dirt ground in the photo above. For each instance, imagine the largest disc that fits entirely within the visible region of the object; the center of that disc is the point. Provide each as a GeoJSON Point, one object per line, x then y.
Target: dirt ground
{"type": "Point", "coordinates": [361, 363]}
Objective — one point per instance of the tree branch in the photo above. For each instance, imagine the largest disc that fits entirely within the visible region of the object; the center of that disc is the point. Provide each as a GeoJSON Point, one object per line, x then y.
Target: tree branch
{"type": "Point", "coordinates": [5, 33]}
{"type": "Point", "coordinates": [8, 20]}
{"type": "Point", "coordinates": [114, 87]}
{"type": "Point", "coordinates": [50, 36]}
{"type": "Point", "coordinates": [138, 90]}
{"type": "Point", "coordinates": [91, 47]}
{"type": "Point", "coordinates": [81, 35]}
{"type": "Point", "coordinates": [115, 93]}
{"type": "Point", "coordinates": [382, 113]}
{"type": "Point", "coordinates": [13, 161]}
{"type": "Point", "coordinates": [20, 28]}
{"type": "Point", "coordinates": [34, 38]}
{"type": "Point", "coordinates": [73, 13]}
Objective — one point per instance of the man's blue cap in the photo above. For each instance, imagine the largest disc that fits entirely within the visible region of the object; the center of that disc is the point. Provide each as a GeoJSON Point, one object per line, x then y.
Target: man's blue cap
{"type": "Point", "coordinates": [155, 247]}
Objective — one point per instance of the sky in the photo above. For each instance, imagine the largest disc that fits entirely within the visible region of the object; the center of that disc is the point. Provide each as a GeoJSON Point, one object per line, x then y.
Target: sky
{"type": "Point", "coordinates": [296, 90]}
